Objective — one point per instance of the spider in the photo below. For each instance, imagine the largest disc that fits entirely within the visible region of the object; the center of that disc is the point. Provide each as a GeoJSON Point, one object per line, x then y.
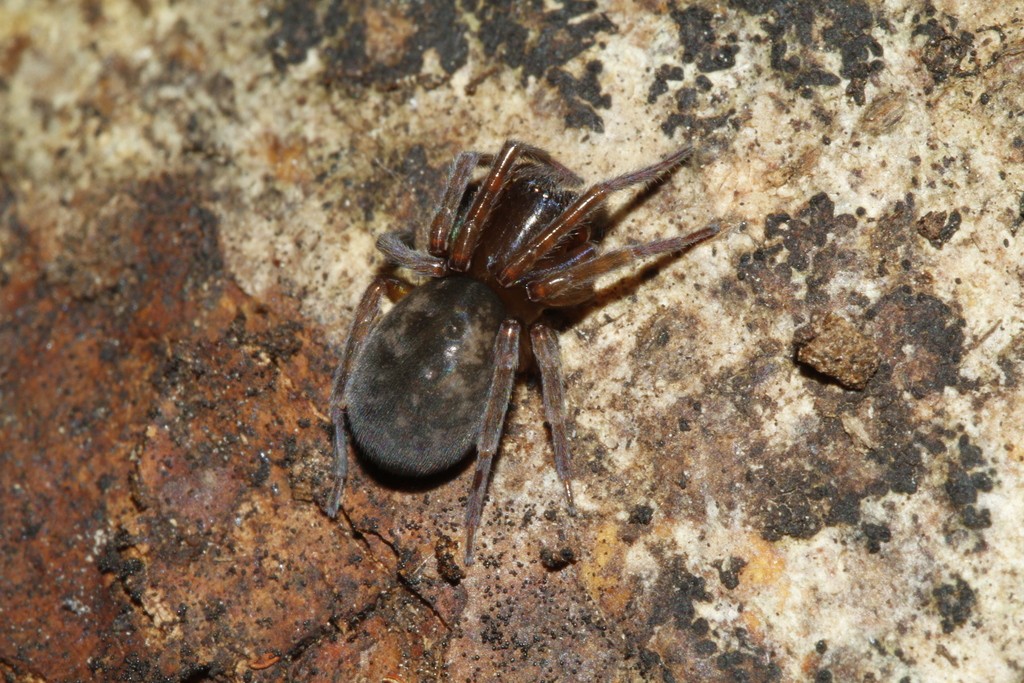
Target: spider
{"type": "Point", "coordinates": [419, 387]}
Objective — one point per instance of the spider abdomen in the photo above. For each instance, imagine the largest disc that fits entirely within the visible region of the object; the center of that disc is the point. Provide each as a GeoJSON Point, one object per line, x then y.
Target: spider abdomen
{"type": "Point", "coordinates": [417, 391]}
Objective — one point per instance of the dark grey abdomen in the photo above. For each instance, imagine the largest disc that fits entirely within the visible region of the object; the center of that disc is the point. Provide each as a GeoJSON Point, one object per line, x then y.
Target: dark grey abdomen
{"type": "Point", "coordinates": [417, 391]}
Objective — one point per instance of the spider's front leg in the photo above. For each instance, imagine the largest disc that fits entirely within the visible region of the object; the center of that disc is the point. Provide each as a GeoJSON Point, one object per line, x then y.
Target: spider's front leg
{"type": "Point", "coordinates": [501, 172]}
{"type": "Point", "coordinates": [459, 177]}
{"type": "Point", "coordinates": [519, 264]}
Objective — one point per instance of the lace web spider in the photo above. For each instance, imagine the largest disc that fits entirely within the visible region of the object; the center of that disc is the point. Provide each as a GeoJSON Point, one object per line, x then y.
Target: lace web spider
{"type": "Point", "coordinates": [421, 386]}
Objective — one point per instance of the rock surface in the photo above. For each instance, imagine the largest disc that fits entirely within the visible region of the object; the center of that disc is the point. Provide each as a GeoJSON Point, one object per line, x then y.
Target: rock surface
{"type": "Point", "coordinates": [189, 198]}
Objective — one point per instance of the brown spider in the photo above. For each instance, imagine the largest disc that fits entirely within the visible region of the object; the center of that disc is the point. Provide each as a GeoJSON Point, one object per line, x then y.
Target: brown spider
{"type": "Point", "coordinates": [431, 379]}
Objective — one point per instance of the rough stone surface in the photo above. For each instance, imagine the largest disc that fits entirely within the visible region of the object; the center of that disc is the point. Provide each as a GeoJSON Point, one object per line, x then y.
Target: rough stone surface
{"type": "Point", "coordinates": [189, 197]}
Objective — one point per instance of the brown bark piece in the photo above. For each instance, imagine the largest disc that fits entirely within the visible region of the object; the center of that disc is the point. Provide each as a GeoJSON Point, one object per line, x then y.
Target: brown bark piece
{"type": "Point", "coordinates": [937, 227]}
{"type": "Point", "coordinates": [840, 351]}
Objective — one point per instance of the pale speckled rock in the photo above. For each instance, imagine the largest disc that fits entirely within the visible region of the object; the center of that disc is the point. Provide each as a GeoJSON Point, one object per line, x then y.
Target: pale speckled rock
{"type": "Point", "coordinates": [794, 527]}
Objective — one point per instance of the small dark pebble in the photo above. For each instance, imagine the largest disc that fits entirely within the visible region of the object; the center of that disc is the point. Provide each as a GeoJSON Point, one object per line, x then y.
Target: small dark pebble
{"type": "Point", "coordinates": [553, 560]}
{"type": "Point", "coordinates": [447, 566]}
{"type": "Point", "coordinates": [641, 514]}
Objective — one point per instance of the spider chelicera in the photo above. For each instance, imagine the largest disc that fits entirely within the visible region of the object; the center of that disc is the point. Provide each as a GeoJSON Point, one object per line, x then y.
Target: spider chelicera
{"type": "Point", "coordinates": [419, 387]}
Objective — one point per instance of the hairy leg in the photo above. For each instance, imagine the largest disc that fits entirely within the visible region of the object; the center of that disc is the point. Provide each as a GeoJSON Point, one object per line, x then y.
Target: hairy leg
{"type": "Point", "coordinates": [545, 350]}
{"type": "Point", "coordinates": [512, 152]}
{"type": "Point", "coordinates": [395, 247]}
{"type": "Point", "coordinates": [559, 285]}
{"type": "Point", "coordinates": [506, 361]}
{"type": "Point", "coordinates": [365, 317]}
{"type": "Point", "coordinates": [459, 177]}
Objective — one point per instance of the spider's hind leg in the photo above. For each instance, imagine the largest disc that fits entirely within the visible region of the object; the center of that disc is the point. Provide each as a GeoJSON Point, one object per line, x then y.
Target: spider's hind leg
{"type": "Point", "coordinates": [366, 315]}
{"type": "Point", "coordinates": [506, 361]}
{"type": "Point", "coordinates": [548, 356]}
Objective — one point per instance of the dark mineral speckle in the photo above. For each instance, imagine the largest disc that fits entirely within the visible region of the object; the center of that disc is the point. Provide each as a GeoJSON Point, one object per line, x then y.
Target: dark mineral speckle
{"type": "Point", "coordinates": [582, 96]}
{"type": "Point", "coordinates": [729, 571]}
{"type": "Point", "coordinates": [700, 42]}
{"type": "Point", "coordinates": [664, 74]}
{"type": "Point", "coordinates": [556, 559]}
{"type": "Point", "coordinates": [936, 330]}
{"type": "Point", "coordinates": [964, 480]}
{"type": "Point", "coordinates": [641, 514]}
{"type": "Point", "coordinates": [799, 31]}
{"type": "Point", "coordinates": [955, 602]}
{"type": "Point", "coordinates": [947, 51]}
{"type": "Point", "coordinates": [541, 48]}
{"type": "Point", "coordinates": [876, 535]}
{"type": "Point", "coordinates": [676, 590]}
{"type": "Point", "coordinates": [748, 662]}
{"type": "Point", "coordinates": [341, 32]}
{"type": "Point", "coordinates": [976, 519]}
{"type": "Point", "coordinates": [539, 45]}
{"type": "Point", "coordinates": [448, 567]}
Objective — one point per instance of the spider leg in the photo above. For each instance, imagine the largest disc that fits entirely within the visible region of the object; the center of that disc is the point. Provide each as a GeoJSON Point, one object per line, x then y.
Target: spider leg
{"type": "Point", "coordinates": [395, 247]}
{"type": "Point", "coordinates": [521, 262]}
{"type": "Point", "coordinates": [459, 177]}
{"type": "Point", "coordinates": [365, 316]}
{"type": "Point", "coordinates": [490, 191]}
{"type": "Point", "coordinates": [561, 285]}
{"type": "Point", "coordinates": [545, 350]}
{"type": "Point", "coordinates": [579, 254]}
{"type": "Point", "coordinates": [506, 360]}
